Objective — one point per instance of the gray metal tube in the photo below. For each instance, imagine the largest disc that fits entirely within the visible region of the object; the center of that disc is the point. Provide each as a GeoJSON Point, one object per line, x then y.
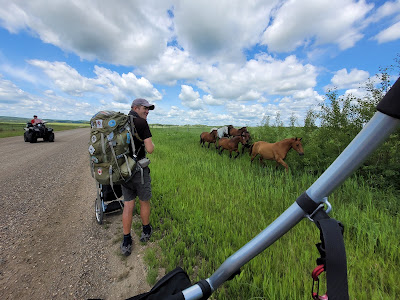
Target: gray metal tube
{"type": "Point", "coordinates": [193, 292]}
{"type": "Point", "coordinates": [368, 139]}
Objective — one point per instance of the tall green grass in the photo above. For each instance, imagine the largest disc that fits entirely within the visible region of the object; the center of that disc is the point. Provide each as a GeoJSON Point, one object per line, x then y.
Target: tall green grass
{"type": "Point", "coordinates": [206, 206]}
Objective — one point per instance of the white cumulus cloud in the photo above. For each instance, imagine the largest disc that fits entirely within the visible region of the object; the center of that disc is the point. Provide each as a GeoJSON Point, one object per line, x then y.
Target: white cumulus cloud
{"type": "Point", "coordinates": [300, 23]}
{"type": "Point", "coordinates": [190, 98]}
{"type": "Point", "coordinates": [389, 34]}
{"type": "Point", "coordinates": [344, 79]}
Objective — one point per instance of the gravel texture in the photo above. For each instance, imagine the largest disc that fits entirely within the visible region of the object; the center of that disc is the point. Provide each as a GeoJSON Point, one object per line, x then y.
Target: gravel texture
{"type": "Point", "coordinates": [51, 246]}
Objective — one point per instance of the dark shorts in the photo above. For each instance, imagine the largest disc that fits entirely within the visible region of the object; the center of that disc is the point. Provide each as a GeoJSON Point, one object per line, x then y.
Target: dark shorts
{"type": "Point", "coordinates": [134, 187]}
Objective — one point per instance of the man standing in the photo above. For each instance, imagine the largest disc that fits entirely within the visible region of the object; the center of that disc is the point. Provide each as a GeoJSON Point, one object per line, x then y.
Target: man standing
{"type": "Point", "coordinates": [140, 184]}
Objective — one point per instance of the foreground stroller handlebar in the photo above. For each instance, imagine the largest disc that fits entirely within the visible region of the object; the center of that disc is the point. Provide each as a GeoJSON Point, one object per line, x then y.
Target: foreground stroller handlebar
{"type": "Point", "coordinates": [382, 124]}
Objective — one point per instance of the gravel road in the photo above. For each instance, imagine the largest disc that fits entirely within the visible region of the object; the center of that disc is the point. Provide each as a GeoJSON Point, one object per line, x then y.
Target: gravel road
{"type": "Point", "coordinates": [50, 244]}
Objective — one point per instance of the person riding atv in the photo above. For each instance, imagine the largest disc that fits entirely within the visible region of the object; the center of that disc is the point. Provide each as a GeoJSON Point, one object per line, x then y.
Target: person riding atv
{"type": "Point", "coordinates": [35, 129]}
{"type": "Point", "coordinates": [35, 120]}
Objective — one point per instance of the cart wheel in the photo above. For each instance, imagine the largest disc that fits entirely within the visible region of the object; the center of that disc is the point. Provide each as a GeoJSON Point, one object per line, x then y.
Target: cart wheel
{"type": "Point", "coordinates": [98, 209]}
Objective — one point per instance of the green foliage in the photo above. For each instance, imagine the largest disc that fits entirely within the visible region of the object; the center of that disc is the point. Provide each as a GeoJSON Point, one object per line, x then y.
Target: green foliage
{"type": "Point", "coordinates": [337, 112]}
{"type": "Point", "coordinates": [278, 121]}
{"type": "Point", "coordinates": [310, 120]}
{"type": "Point", "coordinates": [292, 120]}
{"type": "Point", "coordinates": [206, 206]}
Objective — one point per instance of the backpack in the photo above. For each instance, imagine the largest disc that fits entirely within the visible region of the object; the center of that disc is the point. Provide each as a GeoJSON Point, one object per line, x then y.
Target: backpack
{"type": "Point", "coordinates": [110, 146]}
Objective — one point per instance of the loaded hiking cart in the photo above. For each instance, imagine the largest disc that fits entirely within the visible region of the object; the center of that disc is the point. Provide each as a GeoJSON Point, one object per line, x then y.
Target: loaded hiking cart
{"type": "Point", "coordinates": [113, 158]}
{"type": "Point", "coordinates": [312, 205]}
{"type": "Point", "coordinates": [107, 201]}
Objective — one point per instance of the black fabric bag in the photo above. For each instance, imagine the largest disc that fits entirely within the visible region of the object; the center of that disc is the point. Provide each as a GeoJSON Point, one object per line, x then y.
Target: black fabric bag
{"type": "Point", "coordinates": [169, 287]}
{"type": "Point", "coordinates": [108, 193]}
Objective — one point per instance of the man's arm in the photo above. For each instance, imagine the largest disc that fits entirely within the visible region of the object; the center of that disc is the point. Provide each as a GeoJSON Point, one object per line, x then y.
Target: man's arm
{"type": "Point", "coordinates": [148, 144]}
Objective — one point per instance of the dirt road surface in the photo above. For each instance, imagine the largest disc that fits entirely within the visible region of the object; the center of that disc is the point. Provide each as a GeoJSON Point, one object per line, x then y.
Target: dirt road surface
{"type": "Point", "coordinates": [51, 246]}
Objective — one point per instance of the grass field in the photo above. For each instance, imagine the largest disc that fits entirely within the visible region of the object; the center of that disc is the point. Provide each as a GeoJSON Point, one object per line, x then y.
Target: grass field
{"type": "Point", "coordinates": [8, 129]}
{"type": "Point", "coordinates": [206, 206]}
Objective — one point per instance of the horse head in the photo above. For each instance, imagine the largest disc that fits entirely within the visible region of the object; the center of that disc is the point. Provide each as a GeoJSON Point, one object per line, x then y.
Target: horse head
{"type": "Point", "coordinates": [296, 145]}
{"type": "Point", "coordinates": [245, 137]}
{"type": "Point", "coordinates": [229, 129]}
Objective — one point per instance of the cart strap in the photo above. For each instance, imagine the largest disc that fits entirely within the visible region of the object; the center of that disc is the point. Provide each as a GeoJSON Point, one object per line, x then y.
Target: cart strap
{"type": "Point", "coordinates": [331, 248]}
{"type": "Point", "coordinates": [205, 288]}
{"type": "Point", "coordinates": [333, 256]}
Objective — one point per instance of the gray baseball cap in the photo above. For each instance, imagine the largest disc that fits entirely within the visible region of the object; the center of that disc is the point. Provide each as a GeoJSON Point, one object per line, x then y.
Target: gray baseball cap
{"type": "Point", "coordinates": [142, 102]}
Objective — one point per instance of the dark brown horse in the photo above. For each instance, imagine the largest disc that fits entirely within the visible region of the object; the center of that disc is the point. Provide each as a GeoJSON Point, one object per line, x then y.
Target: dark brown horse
{"type": "Point", "coordinates": [231, 144]}
{"type": "Point", "coordinates": [248, 138]}
{"type": "Point", "coordinates": [209, 137]}
{"type": "Point", "coordinates": [276, 151]}
{"type": "Point", "coordinates": [235, 132]}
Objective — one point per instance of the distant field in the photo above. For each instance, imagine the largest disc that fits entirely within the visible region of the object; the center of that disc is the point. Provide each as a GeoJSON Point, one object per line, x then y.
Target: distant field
{"type": "Point", "coordinates": [16, 127]}
{"type": "Point", "coordinates": [8, 129]}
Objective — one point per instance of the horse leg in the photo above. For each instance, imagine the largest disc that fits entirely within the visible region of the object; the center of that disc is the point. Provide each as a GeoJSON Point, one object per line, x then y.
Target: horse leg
{"type": "Point", "coordinates": [280, 161]}
{"type": "Point", "coordinates": [237, 154]}
{"type": "Point", "coordinates": [252, 158]}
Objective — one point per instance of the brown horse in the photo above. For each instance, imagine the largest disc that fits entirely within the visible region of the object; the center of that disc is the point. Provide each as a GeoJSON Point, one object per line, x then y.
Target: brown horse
{"type": "Point", "coordinates": [276, 151]}
{"type": "Point", "coordinates": [231, 144]}
{"type": "Point", "coordinates": [209, 137]}
{"type": "Point", "coordinates": [248, 137]}
{"type": "Point", "coordinates": [235, 132]}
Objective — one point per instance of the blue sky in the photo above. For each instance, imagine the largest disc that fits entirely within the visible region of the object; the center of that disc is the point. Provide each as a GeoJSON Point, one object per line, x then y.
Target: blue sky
{"type": "Point", "coordinates": [200, 62]}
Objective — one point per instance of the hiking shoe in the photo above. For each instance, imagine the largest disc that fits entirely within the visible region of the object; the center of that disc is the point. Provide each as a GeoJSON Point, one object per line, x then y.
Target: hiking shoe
{"type": "Point", "coordinates": [146, 236]}
{"type": "Point", "coordinates": [126, 250]}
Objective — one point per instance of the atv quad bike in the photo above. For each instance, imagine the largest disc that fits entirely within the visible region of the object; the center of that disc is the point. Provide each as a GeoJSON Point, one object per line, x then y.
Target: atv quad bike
{"type": "Point", "coordinates": [33, 132]}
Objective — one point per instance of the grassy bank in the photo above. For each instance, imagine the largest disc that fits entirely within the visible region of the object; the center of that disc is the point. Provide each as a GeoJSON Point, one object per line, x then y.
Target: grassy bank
{"type": "Point", "coordinates": [206, 206]}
